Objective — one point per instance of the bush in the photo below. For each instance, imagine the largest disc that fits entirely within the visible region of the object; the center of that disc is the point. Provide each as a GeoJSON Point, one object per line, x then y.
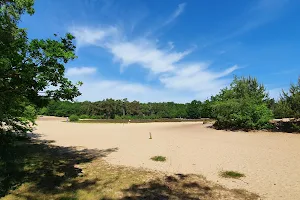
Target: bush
{"type": "Point", "coordinates": [231, 174]}
{"type": "Point", "coordinates": [289, 103]}
{"type": "Point", "coordinates": [84, 117]}
{"type": "Point", "coordinates": [43, 111]}
{"type": "Point", "coordinates": [159, 158]}
{"type": "Point", "coordinates": [96, 117]}
{"type": "Point", "coordinates": [30, 113]}
{"type": "Point", "coordinates": [117, 117]}
{"type": "Point", "coordinates": [242, 106]}
{"type": "Point", "coordinates": [74, 118]}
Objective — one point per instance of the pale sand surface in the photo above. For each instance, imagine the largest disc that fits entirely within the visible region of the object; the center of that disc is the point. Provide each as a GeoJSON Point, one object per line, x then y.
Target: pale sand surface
{"type": "Point", "coordinates": [270, 161]}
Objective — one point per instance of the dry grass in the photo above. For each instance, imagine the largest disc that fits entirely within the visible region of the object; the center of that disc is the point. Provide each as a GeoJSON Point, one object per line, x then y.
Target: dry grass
{"type": "Point", "coordinates": [52, 172]}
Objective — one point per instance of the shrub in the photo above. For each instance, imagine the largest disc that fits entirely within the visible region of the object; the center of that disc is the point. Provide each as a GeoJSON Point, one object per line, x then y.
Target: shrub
{"type": "Point", "coordinates": [242, 106]}
{"type": "Point", "coordinates": [159, 158]}
{"type": "Point", "coordinates": [43, 111]}
{"type": "Point", "coordinates": [289, 103]}
{"type": "Point", "coordinates": [73, 118]}
{"type": "Point", "coordinates": [117, 117]}
{"type": "Point", "coordinates": [96, 117]}
{"type": "Point", "coordinates": [30, 113]}
{"type": "Point", "coordinates": [242, 114]}
{"type": "Point", "coordinates": [231, 174]}
{"type": "Point", "coordinates": [84, 117]}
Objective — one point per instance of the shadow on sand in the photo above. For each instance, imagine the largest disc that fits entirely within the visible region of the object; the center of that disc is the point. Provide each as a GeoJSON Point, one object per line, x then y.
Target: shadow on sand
{"type": "Point", "coordinates": [180, 186]}
{"type": "Point", "coordinates": [37, 169]}
{"type": "Point", "coordinates": [173, 187]}
{"type": "Point", "coordinates": [51, 168]}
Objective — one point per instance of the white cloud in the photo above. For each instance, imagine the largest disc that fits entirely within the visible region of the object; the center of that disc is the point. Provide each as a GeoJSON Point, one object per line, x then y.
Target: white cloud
{"type": "Point", "coordinates": [140, 51]}
{"type": "Point", "coordinates": [197, 78]}
{"type": "Point", "coordinates": [179, 81]}
{"type": "Point", "coordinates": [80, 71]}
{"type": "Point", "coordinates": [146, 54]}
{"type": "Point", "coordinates": [178, 11]}
{"type": "Point", "coordinates": [91, 36]}
{"type": "Point", "coordinates": [227, 71]}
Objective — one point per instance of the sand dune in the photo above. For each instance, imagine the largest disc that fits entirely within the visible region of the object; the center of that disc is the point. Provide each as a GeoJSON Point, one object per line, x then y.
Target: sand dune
{"type": "Point", "coordinates": [270, 161]}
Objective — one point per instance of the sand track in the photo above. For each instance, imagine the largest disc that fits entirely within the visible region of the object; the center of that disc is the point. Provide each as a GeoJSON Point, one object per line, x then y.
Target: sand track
{"type": "Point", "coordinates": [270, 161]}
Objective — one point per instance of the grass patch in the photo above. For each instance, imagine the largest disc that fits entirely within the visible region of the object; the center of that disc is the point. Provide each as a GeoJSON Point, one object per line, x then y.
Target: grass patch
{"type": "Point", "coordinates": [231, 174]}
{"type": "Point", "coordinates": [159, 158]}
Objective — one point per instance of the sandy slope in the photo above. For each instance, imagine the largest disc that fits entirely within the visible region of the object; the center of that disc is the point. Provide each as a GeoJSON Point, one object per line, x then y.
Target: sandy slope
{"type": "Point", "coordinates": [271, 161]}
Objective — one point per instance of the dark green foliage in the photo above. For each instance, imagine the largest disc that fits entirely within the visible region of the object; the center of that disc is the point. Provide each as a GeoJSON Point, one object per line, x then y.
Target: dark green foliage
{"type": "Point", "coordinates": [282, 110]}
{"type": "Point", "coordinates": [206, 109]}
{"type": "Point", "coordinates": [231, 174]}
{"type": "Point", "coordinates": [242, 106]}
{"type": "Point", "coordinates": [84, 117]}
{"type": "Point", "coordinates": [74, 118]}
{"type": "Point", "coordinates": [117, 109]}
{"type": "Point", "coordinates": [292, 126]}
{"type": "Point", "coordinates": [289, 103]}
{"type": "Point", "coordinates": [137, 120]}
{"type": "Point", "coordinates": [28, 68]}
{"type": "Point", "coordinates": [194, 109]}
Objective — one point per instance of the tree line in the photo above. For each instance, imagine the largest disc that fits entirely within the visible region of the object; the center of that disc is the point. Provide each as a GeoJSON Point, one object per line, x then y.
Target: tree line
{"type": "Point", "coordinates": [244, 104]}
{"type": "Point", "coordinates": [124, 109]}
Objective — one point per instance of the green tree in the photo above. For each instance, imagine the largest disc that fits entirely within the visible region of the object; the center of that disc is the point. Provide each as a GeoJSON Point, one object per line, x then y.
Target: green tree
{"type": "Point", "coordinates": [193, 109]}
{"type": "Point", "coordinates": [289, 103]}
{"type": "Point", "coordinates": [29, 68]}
{"type": "Point", "coordinates": [206, 109]}
{"type": "Point", "coordinates": [282, 109]}
{"type": "Point", "coordinates": [242, 106]}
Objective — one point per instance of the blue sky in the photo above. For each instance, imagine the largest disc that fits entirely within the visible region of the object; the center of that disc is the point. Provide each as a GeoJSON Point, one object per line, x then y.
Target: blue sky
{"type": "Point", "coordinates": [173, 50]}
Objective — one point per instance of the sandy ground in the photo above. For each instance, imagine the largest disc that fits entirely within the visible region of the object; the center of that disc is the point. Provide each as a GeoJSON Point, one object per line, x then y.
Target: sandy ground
{"type": "Point", "coordinates": [270, 161]}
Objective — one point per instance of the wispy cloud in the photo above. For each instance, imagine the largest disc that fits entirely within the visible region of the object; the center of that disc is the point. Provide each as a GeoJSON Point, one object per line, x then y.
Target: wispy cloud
{"type": "Point", "coordinates": [287, 71]}
{"type": "Point", "coordinates": [167, 65]}
{"type": "Point", "coordinates": [179, 10]}
{"type": "Point", "coordinates": [80, 71]}
{"type": "Point", "coordinates": [146, 54]}
{"type": "Point", "coordinates": [91, 36]}
{"type": "Point", "coordinates": [141, 51]}
{"type": "Point", "coordinates": [176, 13]}
{"type": "Point", "coordinates": [261, 13]}
{"type": "Point", "coordinates": [269, 6]}
{"type": "Point", "coordinates": [197, 78]}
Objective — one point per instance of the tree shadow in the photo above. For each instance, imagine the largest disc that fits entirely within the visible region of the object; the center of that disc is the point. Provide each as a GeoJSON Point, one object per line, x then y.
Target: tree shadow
{"type": "Point", "coordinates": [51, 168]}
{"type": "Point", "coordinates": [178, 186]}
